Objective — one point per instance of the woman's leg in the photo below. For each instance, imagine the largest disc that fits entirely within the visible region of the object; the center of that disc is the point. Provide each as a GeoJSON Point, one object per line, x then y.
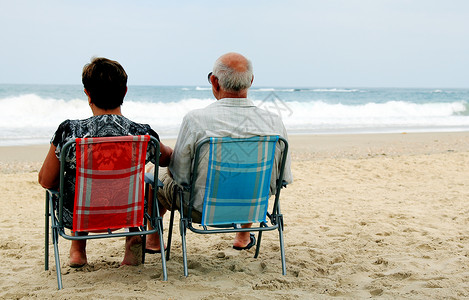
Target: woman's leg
{"type": "Point", "coordinates": [78, 251]}
{"type": "Point", "coordinates": [133, 249]}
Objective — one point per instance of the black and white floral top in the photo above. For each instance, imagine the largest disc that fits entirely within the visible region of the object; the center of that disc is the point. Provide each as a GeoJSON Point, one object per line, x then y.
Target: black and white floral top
{"type": "Point", "coordinates": [96, 126]}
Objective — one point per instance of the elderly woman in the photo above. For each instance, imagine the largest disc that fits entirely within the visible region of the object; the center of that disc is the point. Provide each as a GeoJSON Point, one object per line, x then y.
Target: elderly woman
{"type": "Point", "coordinates": [105, 83]}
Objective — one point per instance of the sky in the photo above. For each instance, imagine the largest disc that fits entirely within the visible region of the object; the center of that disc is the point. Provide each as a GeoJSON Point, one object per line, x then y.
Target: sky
{"type": "Point", "coordinates": [333, 43]}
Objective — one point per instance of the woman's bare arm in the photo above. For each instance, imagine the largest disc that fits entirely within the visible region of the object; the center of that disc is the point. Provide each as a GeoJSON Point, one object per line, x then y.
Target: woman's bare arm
{"type": "Point", "coordinates": [165, 156]}
{"type": "Point", "coordinates": [49, 174]}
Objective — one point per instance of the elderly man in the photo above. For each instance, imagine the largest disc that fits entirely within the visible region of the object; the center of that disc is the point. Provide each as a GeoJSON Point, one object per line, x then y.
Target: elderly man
{"type": "Point", "coordinates": [231, 115]}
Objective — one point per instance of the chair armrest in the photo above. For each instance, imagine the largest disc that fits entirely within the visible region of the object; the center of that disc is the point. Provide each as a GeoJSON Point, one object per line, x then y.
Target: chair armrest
{"type": "Point", "coordinates": [184, 187]}
{"type": "Point", "coordinates": [52, 192]}
{"type": "Point", "coordinates": [284, 183]}
{"type": "Point", "coordinates": [149, 180]}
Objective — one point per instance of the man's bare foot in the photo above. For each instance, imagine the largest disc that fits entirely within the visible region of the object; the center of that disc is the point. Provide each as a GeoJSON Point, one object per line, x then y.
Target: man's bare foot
{"type": "Point", "coordinates": [78, 254]}
{"type": "Point", "coordinates": [153, 243]}
{"type": "Point", "coordinates": [242, 239]}
{"type": "Point", "coordinates": [133, 251]}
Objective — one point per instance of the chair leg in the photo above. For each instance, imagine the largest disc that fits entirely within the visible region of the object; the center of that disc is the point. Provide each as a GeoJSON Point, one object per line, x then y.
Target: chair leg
{"type": "Point", "coordinates": [55, 240]}
{"type": "Point", "coordinates": [258, 246]}
{"type": "Point", "coordinates": [144, 226]}
{"type": "Point", "coordinates": [282, 247]}
{"type": "Point", "coordinates": [184, 250]}
{"type": "Point", "coordinates": [144, 244]}
{"type": "Point", "coordinates": [46, 233]}
{"type": "Point", "coordinates": [171, 221]}
{"type": "Point", "coordinates": [182, 229]}
{"type": "Point", "coordinates": [163, 257]}
{"type": "Point", "coordinates": [170, 234]}
{"type": "Point", "coordinates": [57, 266]}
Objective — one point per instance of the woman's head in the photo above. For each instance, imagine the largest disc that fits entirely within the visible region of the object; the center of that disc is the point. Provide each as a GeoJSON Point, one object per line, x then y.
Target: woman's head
{"type": "Point", "coordinates": [105, 81]}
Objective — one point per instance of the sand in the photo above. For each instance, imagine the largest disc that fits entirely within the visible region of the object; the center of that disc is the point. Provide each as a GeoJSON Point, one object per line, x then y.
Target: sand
{"type": "Point", "coordinates": [368, 216]}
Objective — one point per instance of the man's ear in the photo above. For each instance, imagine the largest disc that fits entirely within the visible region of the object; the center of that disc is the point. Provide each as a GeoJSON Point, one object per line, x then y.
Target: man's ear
{"type": "Point", "coordinates": [215, 83]}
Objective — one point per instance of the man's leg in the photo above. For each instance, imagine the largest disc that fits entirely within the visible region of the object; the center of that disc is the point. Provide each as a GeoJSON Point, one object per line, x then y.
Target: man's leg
{"type": "Point", "coordinates": [164, 197]}
{"type": "Point", "coordinates": [153, 240]}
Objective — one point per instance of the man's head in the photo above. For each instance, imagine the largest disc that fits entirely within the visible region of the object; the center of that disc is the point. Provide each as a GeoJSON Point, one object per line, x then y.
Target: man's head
{"type": "Point", "coordinates": [105, 82]}
{"type": "Point", "coordinates": [232, 73]}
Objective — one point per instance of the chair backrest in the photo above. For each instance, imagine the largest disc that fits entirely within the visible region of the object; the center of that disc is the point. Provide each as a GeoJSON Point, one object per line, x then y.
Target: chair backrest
{"type": "Point", "coordinates": [109, 186]}
{"type": "Point", "coordinates": [238, 180]}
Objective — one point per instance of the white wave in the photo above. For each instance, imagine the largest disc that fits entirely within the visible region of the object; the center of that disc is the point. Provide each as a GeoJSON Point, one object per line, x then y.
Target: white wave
{"type": "Point", "coordinates": [272, 90]}
{"type": "Point", "coordinates": [265, 90]}
{"type": "Point", "coordinates": [163, 116]}
{"type": "Point", "coordinates": [198, 88]}
{"type": "Point", "coordinates": [30, 116]}
{"type": "Point", "coordinates": [439, 91]}
{"type": "Point", "coordinates": [31, 110]}
{"type": "Point", "coordinates": [335, 90]}
{"type": "Point", "coordinates": [394, 113]}
{"type": "Point", "coordinates": [34, 118]}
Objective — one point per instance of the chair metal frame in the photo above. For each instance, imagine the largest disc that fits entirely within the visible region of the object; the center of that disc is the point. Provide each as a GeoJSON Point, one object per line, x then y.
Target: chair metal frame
{"type": "Point", "coordinates": [56, 217]}
{"type": "Point", "coordinates": [275, 217]}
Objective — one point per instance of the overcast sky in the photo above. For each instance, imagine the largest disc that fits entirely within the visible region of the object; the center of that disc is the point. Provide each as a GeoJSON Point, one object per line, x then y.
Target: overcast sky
{"type": "Point", "coordinates": [333, 43]}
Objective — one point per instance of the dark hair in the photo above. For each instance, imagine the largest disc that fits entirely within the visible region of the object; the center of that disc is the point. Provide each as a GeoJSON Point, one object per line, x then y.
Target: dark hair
{"type": "Point", "coordinates": [106, 82]}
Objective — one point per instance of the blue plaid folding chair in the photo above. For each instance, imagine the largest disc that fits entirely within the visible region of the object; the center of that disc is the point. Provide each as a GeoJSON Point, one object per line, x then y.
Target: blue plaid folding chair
{"type": "Point", "coordinates": [236, 191]}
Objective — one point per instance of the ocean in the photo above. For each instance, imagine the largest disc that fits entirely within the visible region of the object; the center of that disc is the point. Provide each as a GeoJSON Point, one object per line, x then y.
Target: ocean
{"type": "Point", "coordinates": [30, 114]}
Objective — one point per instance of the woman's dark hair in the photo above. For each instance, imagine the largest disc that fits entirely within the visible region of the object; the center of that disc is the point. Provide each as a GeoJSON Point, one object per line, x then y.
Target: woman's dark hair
{"type": "Point", "coordinates": [106, 82]}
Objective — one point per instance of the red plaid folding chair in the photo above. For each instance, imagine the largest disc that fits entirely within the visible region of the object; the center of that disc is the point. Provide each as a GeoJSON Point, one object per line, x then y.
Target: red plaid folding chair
{"type": "Point", "coordinates": [109, 192]}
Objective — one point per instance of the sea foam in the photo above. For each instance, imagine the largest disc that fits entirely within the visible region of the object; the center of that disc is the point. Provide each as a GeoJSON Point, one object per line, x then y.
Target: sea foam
{"type": "Point", "coordinates": [30, 117]}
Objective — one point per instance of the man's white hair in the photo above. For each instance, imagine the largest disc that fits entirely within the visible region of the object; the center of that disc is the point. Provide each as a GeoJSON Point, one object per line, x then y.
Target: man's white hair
{"type": "Point", "coordinates": [230, 79]}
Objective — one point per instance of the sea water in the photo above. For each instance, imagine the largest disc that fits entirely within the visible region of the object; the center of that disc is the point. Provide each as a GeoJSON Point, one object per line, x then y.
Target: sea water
{"type": "Point", "coordinates": [30, 114]}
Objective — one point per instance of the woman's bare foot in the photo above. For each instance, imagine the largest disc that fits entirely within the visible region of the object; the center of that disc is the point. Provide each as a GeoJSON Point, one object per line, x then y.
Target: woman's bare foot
{"type": "Point", "coordinates": [78, 254]}
{"type": "Point", "coordinates": [133, 251]}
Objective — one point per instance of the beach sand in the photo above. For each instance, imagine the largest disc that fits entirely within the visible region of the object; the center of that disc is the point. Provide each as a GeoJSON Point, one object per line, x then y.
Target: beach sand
{"type": "Point", "coordinates": [368, 216]}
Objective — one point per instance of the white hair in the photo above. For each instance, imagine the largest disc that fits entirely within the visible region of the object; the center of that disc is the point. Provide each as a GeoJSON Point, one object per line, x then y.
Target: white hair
{"type": "Point", "coordinates": [230, 79]}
